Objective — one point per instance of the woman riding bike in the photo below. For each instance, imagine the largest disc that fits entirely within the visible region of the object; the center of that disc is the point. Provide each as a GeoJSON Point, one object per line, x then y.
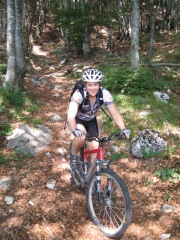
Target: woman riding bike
{"type": "Point", "coordinates": [83, 110]}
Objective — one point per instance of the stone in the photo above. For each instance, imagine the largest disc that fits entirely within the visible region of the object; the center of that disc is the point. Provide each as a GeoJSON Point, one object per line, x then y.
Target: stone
{"type": "Point", "coordinates": [43, 80]}
{"type": "Point", "coordinates": [56, 95]}
{"type": "Point", "coordinates": [9, 200]}
{"type": "Point", "coordinates": [55, 118]}
{"type": "Point", "coordinates": [144, 113]}
{"type": "Point", "coordinates": [163, 97]}
{"type": "Point", "coordinates": [167, 208]}
{"type": "Point", "coordinates": [116, 149]}
{"type": "Point", "coordinates": [165, 236]}
{"type": "Point", "coordinates": [6, 182]}
{"type": "Point", "coordinates": [29, 141]}
{"type": "Point", "coordinates": [51, 184]}
{"type": "Point", "coordinates": [147, 141]}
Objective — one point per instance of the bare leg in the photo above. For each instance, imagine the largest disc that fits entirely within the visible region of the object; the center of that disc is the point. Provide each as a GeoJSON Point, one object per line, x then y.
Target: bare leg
{"type": "Point", "coordinates": [77, 143]}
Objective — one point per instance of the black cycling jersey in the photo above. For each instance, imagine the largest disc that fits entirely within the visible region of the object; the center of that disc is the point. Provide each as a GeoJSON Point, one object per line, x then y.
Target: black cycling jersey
{"type": "Point", "coordinates": [87, 112]}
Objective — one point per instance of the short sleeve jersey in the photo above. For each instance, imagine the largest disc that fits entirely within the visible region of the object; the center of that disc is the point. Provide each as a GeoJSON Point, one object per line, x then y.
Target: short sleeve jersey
{"type": "Point", "coordinates": [85, 111]}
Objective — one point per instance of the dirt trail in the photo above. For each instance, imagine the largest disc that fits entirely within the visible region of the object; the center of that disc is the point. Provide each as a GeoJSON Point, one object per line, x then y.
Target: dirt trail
{"type": "Point", "coordinates": [44, 214]}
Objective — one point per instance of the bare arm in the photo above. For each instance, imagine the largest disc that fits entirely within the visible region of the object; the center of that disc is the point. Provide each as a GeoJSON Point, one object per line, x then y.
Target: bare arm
{"type": "Point", "coordinates": [73, 107]}
{"type": "Point", "coordinates": [116, 116]}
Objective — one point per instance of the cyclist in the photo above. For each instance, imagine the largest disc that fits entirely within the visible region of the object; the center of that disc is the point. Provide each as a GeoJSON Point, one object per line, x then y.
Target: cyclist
{"type": "Point", "coordinates": [82, 113]}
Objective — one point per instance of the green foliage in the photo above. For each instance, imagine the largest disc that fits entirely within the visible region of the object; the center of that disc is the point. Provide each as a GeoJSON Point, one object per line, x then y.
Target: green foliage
{"type": "Point", "coordinates": [116, 156]}
{"type": "Point", "coordinates": [148, 182]}
{"type": "Point", "coordinates": [170, 150]}
{"type": "Point", "coordinates": [20, 154]}
{"type": "Point", "coordinates": [175, 57]}
{"type": "Point", "coordinates": [164, 112]}
{"type": "Point", "coordinates": [3, 68]}
{"type": "Point", "coordinates": [129, 81]}
{"type": "Point", "coordinates": [5, 128]}
{"type": "Point", "coordinates": [166, 197]}
{"type": "Point", "coordinates": [15, 98]}
{"type": "Point", "coordinates": [17, 155]}
{"type": "Point", "coordinates": [176, 35]}
{"type": "Point", "coordinates": [4, 160]}
{"type": "Point", "coordinates": [77, 20]}
{"type": "Point", "coordinates": [148, 153]}
{"type": "Point", "coordinates": [168, 173]}
{"type": "Point", "coordinates": [29, 120]}
{"type": "Point", "coordinates": [17, 105]}
{"type": "Point", "coordinates": [161, 114]}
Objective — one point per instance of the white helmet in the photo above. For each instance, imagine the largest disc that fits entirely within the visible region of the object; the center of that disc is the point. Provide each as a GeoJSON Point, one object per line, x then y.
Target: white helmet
{"type": "Point", "coordinates": [92, 75]}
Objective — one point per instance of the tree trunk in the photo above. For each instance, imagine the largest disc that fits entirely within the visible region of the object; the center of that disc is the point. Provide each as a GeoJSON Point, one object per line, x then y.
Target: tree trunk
{"type": "Point", "coordinates": [10, 79]}
{"type": "Point", "coordinates": [20, 60]}
{"type": "Point", "coordinates": [3, 22]}
{"type": "Point", "coordinates": [135, 22]}
{"type": "Point", "coordinates": [86, 44]}
{"type": "Point", "coordinates": [151, 41]}
{"type": "Point", "coordinates": [15, 53]}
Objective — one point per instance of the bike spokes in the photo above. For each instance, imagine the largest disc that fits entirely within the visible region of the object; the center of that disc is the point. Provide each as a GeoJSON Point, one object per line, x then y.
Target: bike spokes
{"type": "Point", "coordinates": [113, 213]}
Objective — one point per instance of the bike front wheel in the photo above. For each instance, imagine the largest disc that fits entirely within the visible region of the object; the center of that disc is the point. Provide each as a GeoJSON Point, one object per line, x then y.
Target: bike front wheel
{"type": "Point", "coordinates": [113, 214]}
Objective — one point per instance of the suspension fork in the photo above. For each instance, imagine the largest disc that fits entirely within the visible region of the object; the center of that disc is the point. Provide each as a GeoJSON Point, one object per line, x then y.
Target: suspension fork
{"type": "Point", "coordinates": [99, 185]}
{"type": "Point", "coordinates": [109, 186]}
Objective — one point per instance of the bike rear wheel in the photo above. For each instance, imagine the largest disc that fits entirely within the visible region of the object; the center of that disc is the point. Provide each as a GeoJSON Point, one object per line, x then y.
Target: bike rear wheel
{"type": "Point", "coordinates": [113, 216]}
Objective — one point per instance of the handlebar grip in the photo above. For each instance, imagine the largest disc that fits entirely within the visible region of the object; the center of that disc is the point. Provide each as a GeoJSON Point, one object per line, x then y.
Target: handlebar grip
{"type": "Point", "coordinates": [122, 134]}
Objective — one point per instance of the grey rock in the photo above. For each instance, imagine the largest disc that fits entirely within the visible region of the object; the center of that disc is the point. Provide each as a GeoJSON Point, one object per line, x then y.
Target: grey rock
{"type": "Point", "coordinates": [51, 184]}
{"type": "Point", "coordinates": [165, 236]}
{"type": "Point", "coordinates": [147, 141]}
{"type": "Point", "coordinates": [6, 182]}
{"type": "Point", "coordinates": [35, 82]}
{"type": "Point", "coordinates": [56, 95]}
{"type": "Point", "coordinates": [28, 140]}
{"type": "Point", "coordinates": [43, 80]}
{"type": "Point", "coordinates": [55, 118]}
{"type": "Point", "coordinates": [116, 149]}
{"type": "Point", "coordinates": [163, 97]}
{"type": "Point", "coordinates": [59, 88]}
{"type": "Point", "coordinates": [9, 200]}
{"type": "Point", "coordinates": [167, 208]}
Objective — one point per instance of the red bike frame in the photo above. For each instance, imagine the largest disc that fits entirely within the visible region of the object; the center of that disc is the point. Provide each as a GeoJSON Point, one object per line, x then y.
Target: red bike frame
{"type": "Point", "coordinates": [99, 151]}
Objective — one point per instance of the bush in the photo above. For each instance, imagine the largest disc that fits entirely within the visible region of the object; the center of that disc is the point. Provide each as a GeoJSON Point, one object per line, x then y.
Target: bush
{"type": "Point", "coordinates": [129, 81]}
{"type": "Point", "coordinates": [5, 128]}
{"type": "Point", "coordinates": [17, 105]}
{"type": "Point", "coordinates": [12, 97]}
{"type": "Point", "coordinates": [3, 68]}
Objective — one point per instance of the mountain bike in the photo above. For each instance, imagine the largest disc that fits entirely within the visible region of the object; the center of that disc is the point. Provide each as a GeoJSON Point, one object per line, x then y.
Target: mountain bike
{"type": "Point", "coordinates": [107, 197]}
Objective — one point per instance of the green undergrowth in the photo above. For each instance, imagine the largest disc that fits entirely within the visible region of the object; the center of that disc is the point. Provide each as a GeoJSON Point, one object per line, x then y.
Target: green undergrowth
{"type": "Point", "coordinates": [133, 93]}
{"type": "Point", "coordinates": [16, 106]}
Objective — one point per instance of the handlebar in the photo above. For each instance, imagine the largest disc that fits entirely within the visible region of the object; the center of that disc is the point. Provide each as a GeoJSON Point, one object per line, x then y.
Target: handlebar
{"type": "Point", "coordinates": [105, 139]}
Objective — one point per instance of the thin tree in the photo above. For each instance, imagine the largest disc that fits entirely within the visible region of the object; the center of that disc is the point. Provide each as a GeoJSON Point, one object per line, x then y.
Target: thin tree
{"type": "Point", "coordinates": [11, 54]}
{"type": "Point", "coordinates": [151, 40]}
{"type": "Point", "coordinates": [15, 53]}
{"type": "Point", "coordinates": [135, 23]}
{"type": "Point", "coordinates": [20, 59]}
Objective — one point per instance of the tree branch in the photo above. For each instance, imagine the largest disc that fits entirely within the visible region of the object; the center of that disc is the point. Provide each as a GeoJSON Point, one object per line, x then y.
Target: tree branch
{"type": "Point", "coordinates": [165, 64]}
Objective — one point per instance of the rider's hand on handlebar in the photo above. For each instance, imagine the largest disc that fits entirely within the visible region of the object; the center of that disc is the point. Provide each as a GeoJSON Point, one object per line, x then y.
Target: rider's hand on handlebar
{"type": "Point", "coordinates": [78, 133]}
{"type": "Point", "coordinates": [125, 132]}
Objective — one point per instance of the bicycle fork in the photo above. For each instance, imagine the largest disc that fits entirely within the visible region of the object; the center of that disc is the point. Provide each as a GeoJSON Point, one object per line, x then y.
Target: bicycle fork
{"type": "Point", "coordinates": [98, 182]}
{"type": "Point", "coordinates": [99, 165]}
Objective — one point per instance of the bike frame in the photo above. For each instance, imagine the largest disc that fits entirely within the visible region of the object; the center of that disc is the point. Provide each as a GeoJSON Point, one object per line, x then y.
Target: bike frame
{"type": "Point", "coordinates": [99, 151]}
{"type": "Point", "coordinates": [97, 164]}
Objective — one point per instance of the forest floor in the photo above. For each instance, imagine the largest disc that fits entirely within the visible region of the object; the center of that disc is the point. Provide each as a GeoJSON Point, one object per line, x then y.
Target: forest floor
{"type": "Point", "coordinates": [39, 213]}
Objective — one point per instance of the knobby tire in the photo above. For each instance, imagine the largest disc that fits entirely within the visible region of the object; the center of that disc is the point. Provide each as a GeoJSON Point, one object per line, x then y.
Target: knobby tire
{"type": "Point", "coordinates": [113, 216]}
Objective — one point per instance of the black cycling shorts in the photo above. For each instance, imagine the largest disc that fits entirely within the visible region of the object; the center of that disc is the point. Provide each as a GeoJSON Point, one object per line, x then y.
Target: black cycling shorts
{"type": "Point", "coordinates": [90, 126]}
